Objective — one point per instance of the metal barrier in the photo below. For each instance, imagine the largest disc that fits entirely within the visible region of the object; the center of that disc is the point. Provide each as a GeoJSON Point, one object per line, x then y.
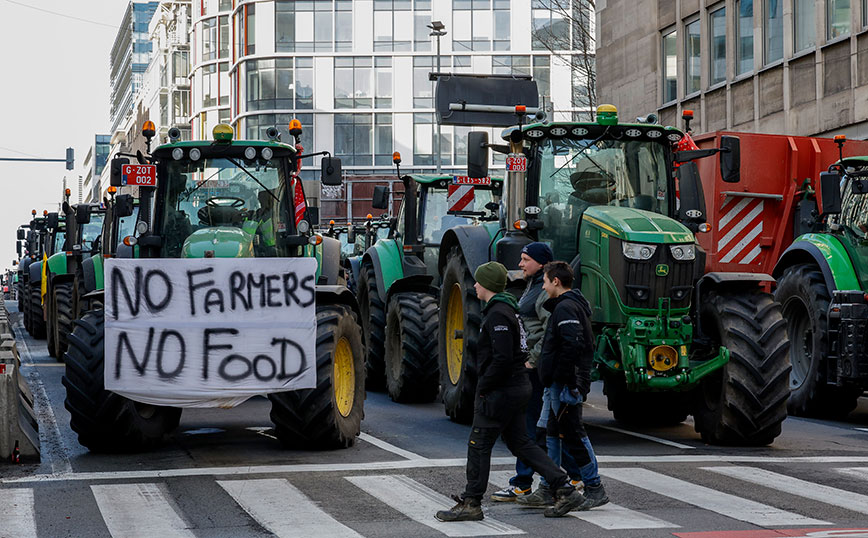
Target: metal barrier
{"type": "Point", "coordinates": [19, 429]}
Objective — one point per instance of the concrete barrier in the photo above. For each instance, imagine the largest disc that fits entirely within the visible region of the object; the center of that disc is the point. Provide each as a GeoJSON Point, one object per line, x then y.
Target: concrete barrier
{"type": "Point", "coordinates": [18, 424]}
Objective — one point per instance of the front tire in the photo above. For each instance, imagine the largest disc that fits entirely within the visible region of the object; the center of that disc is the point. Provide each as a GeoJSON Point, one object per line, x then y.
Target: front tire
{"type": "Point", "coordinates": [373, 312]}
{"type": "Point", "coordinates": [330, 415]}
{"type": "Point", "coordinates": [103, 420]}
{"type": "Point", "coordinates": [63, 317]}
{"type": "Point", "coordinates": [37, 321]}
{"type": "Point", "coordinates": [805, 302]}
{"type": "Point", "coordinates": [745, 401]}
{"type": "Point", "coordinates": [411, 348]}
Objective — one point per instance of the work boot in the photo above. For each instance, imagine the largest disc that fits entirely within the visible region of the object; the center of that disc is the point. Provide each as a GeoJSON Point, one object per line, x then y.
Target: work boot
{"type": "Point", "coordinates": [540, 498]}
{"type": "Point", "coordinates": [566, 500]}
{"type": "Point", "coordinates": [594, 496]}
{"type": "Point", "coordinates": [465, 510]}
{"type": "Point", "coordinates": [509, 494]}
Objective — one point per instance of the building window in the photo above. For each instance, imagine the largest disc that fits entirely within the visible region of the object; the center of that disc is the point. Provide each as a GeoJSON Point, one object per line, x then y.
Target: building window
{"type": "Point", "coordinates": [250, 29]}
{"type": "Point", "coordinates": [383, 144]}
{"type": "Point", "coordinates": [550, 31]}
{"type": "Point", "coordinates": [692, 63]}
{"type": "Point", "coordinates": [773, 25]}
{"type": "Point", "coordinates": [670, 66]}
{"type": "Point", "coordinates": [421, 33]}
{"type": "Point", "coordinates": [423, 89]}
{"type": "Point", "coordinates": [744, 36]}
{"type": "Point", "coordinates": [837, 18]}
{"type": "Point", "coordinates": [481, 25]}
{"type": "Point", "coordinates": [353, 139]}
{"type": "Point", "coordinates": [542, 75]}
{"type": "Point", "coordinates": [224, 82]}
{"type": "Point", "coordinates": [423, 139]}
{"type": "Point", "coordinates": [804, 24]}
{"type": "Point", "coordinates": [255, 127]}
{"type": "Point", "coordinates": [225, 5]}
{"type": "Point", "coordinates": [209, 39]}
{"type": "Point", "coordinates": [383, 82]}
{"type": "Point", "coordinates": [343, 25]}
{"type": "Point", "coordinates": [282, 83]}
{"type": "Point", "coordinates": [354, 85]}
{"type": "Point", "coordinates": [180, 66]}
{"type": "Point", "coordinates": [717, 46]}
{"type": "Point", "coordinates": [224, 36]}
{"type": "Point", "coordinates": [209, 85]}
{"type": "Point", "coordinates": [180, 106]}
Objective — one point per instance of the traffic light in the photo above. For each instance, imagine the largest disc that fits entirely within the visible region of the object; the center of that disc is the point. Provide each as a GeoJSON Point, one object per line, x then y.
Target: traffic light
{"type": "Point", "coordinates": [70, 159]}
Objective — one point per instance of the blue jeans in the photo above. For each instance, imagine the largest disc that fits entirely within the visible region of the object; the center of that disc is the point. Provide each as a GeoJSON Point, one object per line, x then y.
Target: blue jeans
{"type": "Point", "coordinates": [567, 425]}
{"type": "Point", "coordinates": [553, 444]}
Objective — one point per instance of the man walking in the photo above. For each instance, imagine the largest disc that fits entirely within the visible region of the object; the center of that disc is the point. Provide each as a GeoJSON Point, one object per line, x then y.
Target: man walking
{"type": "Point", "coordinates": [502, 393]}
{"type": "Point", "coordinates": [565, 369]}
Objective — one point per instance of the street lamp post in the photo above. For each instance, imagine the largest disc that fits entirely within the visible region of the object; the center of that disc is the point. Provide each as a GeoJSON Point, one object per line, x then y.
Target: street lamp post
{"type": "Point", "coordinates": [438, 30]}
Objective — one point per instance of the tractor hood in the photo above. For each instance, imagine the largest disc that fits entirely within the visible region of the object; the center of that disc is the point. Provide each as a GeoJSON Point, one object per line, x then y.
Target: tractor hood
{"type": "Point", "coordinates": [636, 225]}
{"type": "Point", "coordinates": [225, 242]}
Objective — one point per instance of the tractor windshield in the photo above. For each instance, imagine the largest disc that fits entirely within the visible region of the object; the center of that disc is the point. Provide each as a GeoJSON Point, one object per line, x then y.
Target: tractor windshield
{"type": "Point", "coordinates": [577, 174]}
{"type": "Point", "coordinates": [223, 193]}
{"type": "Point", "coordinates": [59, 238]}
{"type": "Point", "coordinates": [435, 217]}
{"type": "Point", "coordinates": [854, 210]}
{"type": "Point", "coordinates": [91, 230]}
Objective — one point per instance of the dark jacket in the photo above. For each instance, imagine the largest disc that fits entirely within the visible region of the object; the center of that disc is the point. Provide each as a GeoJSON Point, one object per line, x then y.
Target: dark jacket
{"type": "Point", "coordinates": [534, 316]}
{"type": "Point", "coordinates": [568, 345]}
{"type": "Point", "coordinates": [499, 356]}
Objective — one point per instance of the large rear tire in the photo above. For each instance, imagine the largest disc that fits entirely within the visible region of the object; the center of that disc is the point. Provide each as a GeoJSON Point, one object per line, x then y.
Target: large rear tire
{"type": "Point", "coordinates": [373, 312]}
{"type": "Point", "coordinates": [330, 415]}
{"type": "Point", "coordinates": [25, 306]}
{"type": "Point", "coordinates": [63, 317]}
{"type": "Point", "coordinates": [411, 348]}
{"type": "Point", "coordinates": [37, 321]}
{"type": "Point", "coordinates": [103, 420]}
{"type": "Point", "coordinates": [644, 408]}
{"type": "Point", "coordinates": [458, 335]}
{"type": "Point", "coordinates": [745, 401]}
{"type": "Point", "coordinates": [804, 301]}
{"type": "Point", "coordinates": [50, 327]}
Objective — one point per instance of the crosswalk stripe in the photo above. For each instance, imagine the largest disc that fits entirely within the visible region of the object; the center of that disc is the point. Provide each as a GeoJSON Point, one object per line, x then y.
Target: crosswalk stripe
{"type": "Point", "coordinates": [17, 518]}
{"type": "Point", "coordinates": [285, 511]}
{"type": "Point", "coordinates": [140, 510]}
{"type": "Point", "coordinates": [708, 499]}
{"type": "Point", "coordinates": [856, 472]}
{"type": "Point", "coordinates": [419, 503]}
{"type": "Point", "coordinates": [610, 516]}
{"type": "Point", "coordinates": [796, 486]}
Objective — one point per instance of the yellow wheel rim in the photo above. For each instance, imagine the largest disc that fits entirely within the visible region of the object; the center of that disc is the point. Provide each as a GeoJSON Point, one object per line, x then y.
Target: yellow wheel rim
{"type": "Point", "coordinates": [344, 378]}
{"type": "Point", "coordinates": [454, 328]}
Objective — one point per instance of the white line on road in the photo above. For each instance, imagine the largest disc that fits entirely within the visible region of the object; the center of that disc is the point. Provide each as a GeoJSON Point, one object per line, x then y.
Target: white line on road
{"type": "Point", "coordinates": [709, 499]}
{"type": "Point", "coordinates": [861, 429]}
{"type": "Point", "coordinates": [641, 436]}
{"type": "Point", "coordinates": [389, 447]}
{"type": "Point", "coordinates": [419, 503]}
{"type": "Point", "coordinates": [283, 510]}
{"type": "Point", "coordinates": [17, 517]}
{"type": "Point", "coordinates": [140, 510]}
{"type": "Point", "coordinates": [856, 472]}
{"type": "Point", "coordinates": [796, 486]}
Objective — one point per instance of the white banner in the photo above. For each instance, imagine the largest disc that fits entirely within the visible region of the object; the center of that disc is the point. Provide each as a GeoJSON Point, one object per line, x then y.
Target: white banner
{"type": "Point", "coordinates": [209, 332]}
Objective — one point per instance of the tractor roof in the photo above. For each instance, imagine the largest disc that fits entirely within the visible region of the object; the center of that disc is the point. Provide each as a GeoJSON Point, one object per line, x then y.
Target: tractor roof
{"type": "Point", "coordinates": [854, 162]}
{"type": "Point", "coordinates": [165, 150]}
{"type": "Point", "coordinates": [434, 178]}
{"type": "Point", "coordinates": [593, 130]}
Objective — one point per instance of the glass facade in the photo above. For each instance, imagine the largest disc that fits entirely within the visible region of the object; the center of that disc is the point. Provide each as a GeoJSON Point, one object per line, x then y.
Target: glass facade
{"type": "Point", "coordinates": [670, 67]}
{"type": "Point", "coordinates": [804, 24]}
{"type": "Point", "coordinates": [773, 28]}
{"type": "Point", "coordinates": [837, 18]}
{"type": "Point", "coordinates": [744, 36]}
{"type": "Point", "coordinates": [717, 46]}
{"type": "Point", "coordinates": [692, 64]}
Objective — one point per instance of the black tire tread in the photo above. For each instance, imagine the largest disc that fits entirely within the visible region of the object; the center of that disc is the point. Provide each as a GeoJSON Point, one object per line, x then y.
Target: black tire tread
{"type": "Point", "coordinates": [411, 341]}
{"type": "Point", "coordinates": [37, 323]}
{"type": "Point", "coordinates": [64, 316]}
{"type": "Point", "coordinates": [373, 311]}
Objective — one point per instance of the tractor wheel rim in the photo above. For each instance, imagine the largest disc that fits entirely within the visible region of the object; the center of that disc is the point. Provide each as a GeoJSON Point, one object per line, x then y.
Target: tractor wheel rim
{"type": "Point", "coordinates": [802, 343]}
{"type": "Point", "coordinates": [344, 377]}
{"type": "Point", "coordinates": [454, 322]}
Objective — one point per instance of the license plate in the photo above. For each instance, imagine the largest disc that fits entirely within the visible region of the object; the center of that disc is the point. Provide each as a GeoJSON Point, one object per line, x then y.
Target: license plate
{"type": "Point", "coordinates": [139, 175]}
{"type": "Point", "coordinates": [465, 180]}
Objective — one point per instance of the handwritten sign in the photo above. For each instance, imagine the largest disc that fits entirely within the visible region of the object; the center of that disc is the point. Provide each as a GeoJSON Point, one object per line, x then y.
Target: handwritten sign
{"type": "Point", "coordinates": [209, 332]}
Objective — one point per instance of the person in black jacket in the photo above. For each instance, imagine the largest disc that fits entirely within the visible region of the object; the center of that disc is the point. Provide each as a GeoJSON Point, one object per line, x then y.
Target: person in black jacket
{"type": "Point", "coordinates": [565, 370]}
{"type": "Point", "coordinates": [502, 393]}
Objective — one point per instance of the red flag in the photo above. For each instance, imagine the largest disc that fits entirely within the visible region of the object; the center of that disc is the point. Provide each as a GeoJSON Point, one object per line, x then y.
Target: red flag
{"type": "Point", "coordinates": [685, 144]}
{"type": "Point", "coordinates": [300, 204]}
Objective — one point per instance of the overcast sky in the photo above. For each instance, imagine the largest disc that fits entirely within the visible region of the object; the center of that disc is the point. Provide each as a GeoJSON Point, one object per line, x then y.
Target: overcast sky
{"type": "Point", "coordinates": [54, 94]}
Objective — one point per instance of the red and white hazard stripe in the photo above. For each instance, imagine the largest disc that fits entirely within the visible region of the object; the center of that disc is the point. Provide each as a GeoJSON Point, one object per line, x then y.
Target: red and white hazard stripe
{"type": "Point", "coordinates": [460, 198]}
{"type": "Point", "coordinates": [740, 229]}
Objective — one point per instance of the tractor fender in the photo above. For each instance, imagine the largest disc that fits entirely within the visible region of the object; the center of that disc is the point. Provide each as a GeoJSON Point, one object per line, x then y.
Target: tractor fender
{"type": "Point", "coordinates": [474, 242]}
{"type": "Point", "coordinates": [88, 268]}
{"type": "Point", "coordinates": [24, 267]}
{"type": "Point", "coordinates": [57, 264]}
{"type": "Point", "coordinates": [333, 294]}
{"type": "Point", "coordinates": [828, 254]}
{"type": "Point", "coordinates": [713, 280]}
{"type": "Point", "coordinates": [417, 283]}
{"type": "Point", "coordinates": [386, 258]}
{"type": "Point", "coordinates": [354, 265]}
{"type": "Point", "coordinates": [330, 261]}
{"type": "Point", "coordinates": [35, 271]}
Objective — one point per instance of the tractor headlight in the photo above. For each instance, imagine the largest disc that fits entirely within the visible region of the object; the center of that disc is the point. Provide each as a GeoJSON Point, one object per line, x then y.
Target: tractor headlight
{"type": "Point", "coordinates": [249, 153]}
{"type": "Point", "coordinates": [303, 226]}
{"type": "Point", "coordinates": [267, 154]}
{"type": "Point", "coordinates": [683, 253]}
{"type": "Point", "coordinates": [638, 251]}
{"type": "Point", "coordinates": [177, 154]}
{"type": "Point", "coordinates": [195, 154]}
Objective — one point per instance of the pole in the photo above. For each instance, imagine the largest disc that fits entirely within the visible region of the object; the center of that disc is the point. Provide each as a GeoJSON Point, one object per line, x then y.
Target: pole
{"type": "Point", "coordinates": [437, 142]}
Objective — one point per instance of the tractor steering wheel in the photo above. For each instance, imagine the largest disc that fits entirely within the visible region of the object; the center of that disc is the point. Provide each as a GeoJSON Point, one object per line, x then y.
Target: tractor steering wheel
{"type": "Point", "coordinates": [233, 201]}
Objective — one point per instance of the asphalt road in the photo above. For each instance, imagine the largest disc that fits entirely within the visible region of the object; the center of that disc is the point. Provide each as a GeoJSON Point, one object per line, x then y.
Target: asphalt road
{"type": "Point", "coordinates": [223, 474]}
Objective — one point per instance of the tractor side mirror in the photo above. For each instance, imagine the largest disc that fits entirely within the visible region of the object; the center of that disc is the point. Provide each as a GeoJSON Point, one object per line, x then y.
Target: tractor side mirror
{"type": "Point", "coordinates": [82, 214]}
{"type": "Point", "coordinates": [477, 154]}
{"type": "Point", "coordinates": [692, 199]}
{"type": "Point", "coordinates": [21, 233]}
{"type": "Point", "coordinates": [312, 215]}
{"type": "Point", "coordinates": [52, 220]}
{"type": "Point", "coordinates": [830, 193]}
{"type": "Point", "coordinates": [351, 233]}
{"type": "Point", "coordinates": [331, 171]}
{"type": "Point", "coordinates": [730, 159]}
{"type": "Point", "coordinates": [18, 247]}
{"type": "Point", "coordinates": [381, 197]}
{"type": "Point", "coordinates": [116, 164]}
{"type": "Point", "coordinates": [123, 205]}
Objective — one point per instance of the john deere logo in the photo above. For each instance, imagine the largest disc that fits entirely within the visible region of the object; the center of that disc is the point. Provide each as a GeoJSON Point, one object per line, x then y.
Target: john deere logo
{"type": "Point", "coordinates": [662, 269]}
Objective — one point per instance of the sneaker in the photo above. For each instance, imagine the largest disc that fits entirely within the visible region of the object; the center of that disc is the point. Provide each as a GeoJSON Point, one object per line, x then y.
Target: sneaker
{"type": "Point", "coordinates": [465, 510]}
{"type": "Point", "coordinates": [594, 496]}
{"type": "Point", "coordinates": [509, 494]}
{"type": "Point", "coordinates": [578, 484]}
{"type": "Point", "coordinates": [540, 498]}
{"type": "Point", "coordinates": [568, 499]}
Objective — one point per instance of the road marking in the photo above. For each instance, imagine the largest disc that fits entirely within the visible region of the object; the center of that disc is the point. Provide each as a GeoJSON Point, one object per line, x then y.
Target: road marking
{"type": "Point", "coordinates": [861, 429]}
{"type": "Point", "coordinates": [140, 510]}
{"type": "Point", "coordinates": [856, 472]}
{"type": "Point", "coordinates": [17, 517]}
{"type": "Point", "coordinates": [796, 486]}
{"type": "Point", "coordinates": [641, 436]}
{"type": "Point", "coordinates": [419, 503]}
{"type": "Point", "coordinates": [706, 498]}
{"type": "Point", "coordinates": [283, 510]}
{"type": "Point", "coordinates": [247, 470]}
{"type": "Point", "coordinates": [53, 450]}
{"type": "Point", "coordinates": [203, 431]}
{"type": "Point", "coordinates": [368, 438]}
{"type": "Point", "coordinates": [500, 479]}
{"type": "Point", "coordinates": [263, 431]}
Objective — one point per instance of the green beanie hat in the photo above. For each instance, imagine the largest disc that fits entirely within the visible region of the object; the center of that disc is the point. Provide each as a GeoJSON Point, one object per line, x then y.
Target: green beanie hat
{"type": "Point", "coordinates": [491, 276]}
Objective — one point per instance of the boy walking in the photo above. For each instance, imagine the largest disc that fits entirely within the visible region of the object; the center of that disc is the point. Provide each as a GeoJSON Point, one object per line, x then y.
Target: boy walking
{"type": "Point", "coordinates": [565, 370]}
{"type": "Point", "coordinates": [502, 394]}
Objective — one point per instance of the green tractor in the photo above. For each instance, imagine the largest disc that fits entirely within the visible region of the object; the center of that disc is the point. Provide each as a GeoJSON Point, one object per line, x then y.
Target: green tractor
{"type": "Point", "coordinates": [823, 292]}
{"type": "Point", "coordinates": [39, 246]}
{"type": "Point", "coordinates": [620, 205]}
{"type": "Point", "coordinates": [74, 240]}
{"type": "Point", "coordinates": [398, 279]}
{"type": "Point", "coordinates": [221, 199]}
